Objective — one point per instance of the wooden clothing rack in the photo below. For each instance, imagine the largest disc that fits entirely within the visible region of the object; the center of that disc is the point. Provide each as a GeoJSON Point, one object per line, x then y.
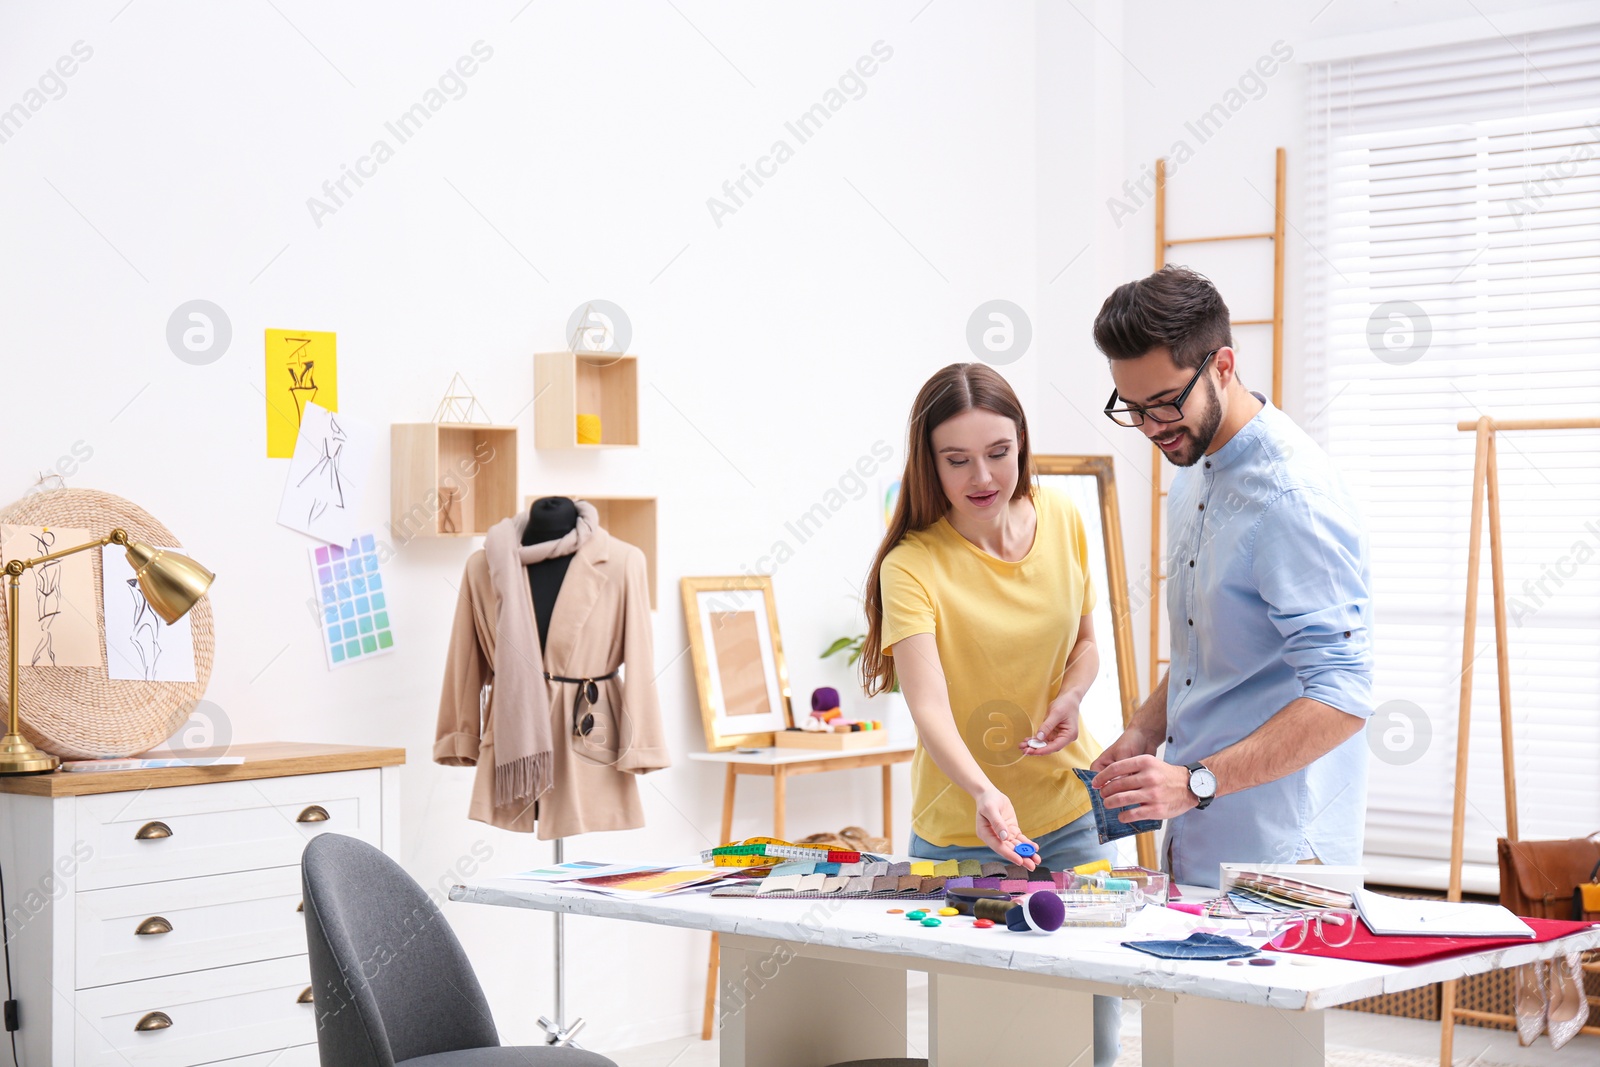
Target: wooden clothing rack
{"type": "Point", "coordinates": [1486, 491]}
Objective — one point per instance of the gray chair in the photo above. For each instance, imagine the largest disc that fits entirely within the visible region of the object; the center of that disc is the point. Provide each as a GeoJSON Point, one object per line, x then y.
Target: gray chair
{"type": "Point", "coordinates": [390, 982]}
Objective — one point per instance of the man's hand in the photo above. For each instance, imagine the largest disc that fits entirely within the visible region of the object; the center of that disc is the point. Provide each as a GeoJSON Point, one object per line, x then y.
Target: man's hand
{"type": "Point", "coordinates": [1159, 789]}
{"type": "Point", "coordinates": [1133, 742]}
{"type": "Point", "coordinates": [1059, 729]}
{"type": "Point", "coordinates": [997, 828]}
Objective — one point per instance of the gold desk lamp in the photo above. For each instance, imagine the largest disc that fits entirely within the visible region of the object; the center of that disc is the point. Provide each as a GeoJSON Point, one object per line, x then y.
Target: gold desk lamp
{"type": "Point", "coordinates": [171, 584]}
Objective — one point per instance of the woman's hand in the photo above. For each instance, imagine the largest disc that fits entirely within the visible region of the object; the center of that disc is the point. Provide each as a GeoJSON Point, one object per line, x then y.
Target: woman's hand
{"type": "Point", "coordinates": [1059, 729]}
{"type": "Point", "coordinates": [997, 828]}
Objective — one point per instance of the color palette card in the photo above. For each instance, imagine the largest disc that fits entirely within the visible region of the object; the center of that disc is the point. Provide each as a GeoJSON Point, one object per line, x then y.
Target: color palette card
{"type": "Point", "coordinates": [355, 608]}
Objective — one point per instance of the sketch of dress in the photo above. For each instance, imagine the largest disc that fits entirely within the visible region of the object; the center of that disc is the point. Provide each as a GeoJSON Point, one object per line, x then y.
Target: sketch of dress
{"type": "Point", "coordinates": [327, 474]}
{"type": "Point", "coordinates": [302, 378]}
{"type": "Point", "coordinates": [47, 599]}
{"type": "Point", "coordinates": [146, 635]}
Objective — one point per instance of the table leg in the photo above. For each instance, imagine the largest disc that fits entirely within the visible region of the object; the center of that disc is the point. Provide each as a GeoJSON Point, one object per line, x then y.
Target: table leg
{"type": "Point", "coordinates": [708, 1023]}
{"type": "Point", "coordinates": [779, 780]}
{"type": "Point", "coordinates": [970, 1018]}
{"type": "Point", "coordinates": [888, 804]}
{"type": "Point", "coordinates": [1198, 1032]}
{"type": "Point", "coordinates": [784, 1010]}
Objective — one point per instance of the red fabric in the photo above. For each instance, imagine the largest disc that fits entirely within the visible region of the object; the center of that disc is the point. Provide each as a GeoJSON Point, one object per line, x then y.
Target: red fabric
{"type": "Point", "coordinates": [1401, 951]}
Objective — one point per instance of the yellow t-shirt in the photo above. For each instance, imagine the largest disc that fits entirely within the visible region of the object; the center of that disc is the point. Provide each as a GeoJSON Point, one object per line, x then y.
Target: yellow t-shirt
{"type": "Point", "coordinates": [1003, 631]}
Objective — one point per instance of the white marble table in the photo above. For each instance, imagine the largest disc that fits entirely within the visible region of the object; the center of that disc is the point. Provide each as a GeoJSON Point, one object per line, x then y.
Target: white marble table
{"type": "Point", "coordinates": [809, 983]}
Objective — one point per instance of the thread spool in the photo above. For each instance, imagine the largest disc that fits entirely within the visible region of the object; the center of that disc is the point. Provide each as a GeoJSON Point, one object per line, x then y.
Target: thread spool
{"type": "Point", "coordinates": [993, 908]}
{"type": "Point", "coordinates": [588, 429]}
{"type": "Point", "coordinates": [963, 899]}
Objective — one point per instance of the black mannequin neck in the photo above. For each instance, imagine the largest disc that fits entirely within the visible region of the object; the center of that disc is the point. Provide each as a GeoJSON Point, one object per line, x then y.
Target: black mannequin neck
{"type": "Point", "coordinates": [550, 517]}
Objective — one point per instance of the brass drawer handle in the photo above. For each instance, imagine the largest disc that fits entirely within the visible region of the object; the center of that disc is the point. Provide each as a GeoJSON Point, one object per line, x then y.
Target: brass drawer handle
{"type": "Point", "coordinates": [155, 1020]}
{"type": "Point", "coordinates": [304, 997]}
{"type": "Point", "coordinates": [153, 831]}
{"type": "Point", "coordinates": [315, 813]}
{"type": "Point", "coordinates": [153, 925]}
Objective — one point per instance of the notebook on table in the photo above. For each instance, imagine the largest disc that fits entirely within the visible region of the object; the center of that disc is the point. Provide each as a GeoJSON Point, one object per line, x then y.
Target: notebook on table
{"type": "Point", "coordinates": [1396, 916]}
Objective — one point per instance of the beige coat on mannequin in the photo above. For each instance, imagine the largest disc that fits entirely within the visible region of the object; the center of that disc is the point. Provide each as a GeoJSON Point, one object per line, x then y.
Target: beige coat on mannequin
{"type": "Point", "coordinates": [601, 620]}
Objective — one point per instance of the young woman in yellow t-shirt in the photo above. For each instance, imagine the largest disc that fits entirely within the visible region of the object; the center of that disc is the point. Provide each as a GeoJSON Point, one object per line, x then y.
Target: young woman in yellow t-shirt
{"type": "Point", "coordinates": [979, 604]}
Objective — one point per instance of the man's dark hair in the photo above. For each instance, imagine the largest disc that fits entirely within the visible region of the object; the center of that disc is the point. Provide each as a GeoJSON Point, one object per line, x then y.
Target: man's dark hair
{"type": "Point", "coordinates": [1175, 307]}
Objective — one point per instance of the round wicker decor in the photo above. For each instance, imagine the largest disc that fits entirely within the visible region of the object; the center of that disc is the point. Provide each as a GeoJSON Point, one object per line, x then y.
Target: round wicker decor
{"type": "Point", "coordinates": [78, 712]}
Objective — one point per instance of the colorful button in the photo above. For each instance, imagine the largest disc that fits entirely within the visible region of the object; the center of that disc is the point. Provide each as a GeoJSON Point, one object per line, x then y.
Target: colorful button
{"type": "Point", "coordinates": [931, 921]}
{"type": "Point", "coordinates": [897, 911]}
{"type": "Point", "coordinates": [1262, 961]}
{"type": "Point", "coordinates": [983, 924]}
{"type": "Point", "coordinates": [915, 915]}
{"type": "Point", "coordinates": [1026, 849]}
{"type": "Point", "coordinates": [948, 911]}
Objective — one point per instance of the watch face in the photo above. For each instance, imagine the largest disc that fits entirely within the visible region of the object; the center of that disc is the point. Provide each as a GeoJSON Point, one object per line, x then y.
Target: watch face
{"type": "Point", "coordinates": [1202, 782]}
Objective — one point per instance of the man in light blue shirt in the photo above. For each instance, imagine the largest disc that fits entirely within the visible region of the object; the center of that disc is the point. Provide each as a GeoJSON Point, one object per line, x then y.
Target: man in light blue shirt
{"type": "Point", "coordinates": [1270, 683]}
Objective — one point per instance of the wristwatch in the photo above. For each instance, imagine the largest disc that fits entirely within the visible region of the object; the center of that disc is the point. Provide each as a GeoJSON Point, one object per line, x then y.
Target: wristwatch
{"type": "Point", "coordinates": [1203, 784]}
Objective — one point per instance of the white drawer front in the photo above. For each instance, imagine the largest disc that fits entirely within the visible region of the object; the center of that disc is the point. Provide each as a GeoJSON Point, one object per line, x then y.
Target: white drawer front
{"type": "Point", "coordinates": [221, 827]}
{"type": "Point", "coordinates": [214, 1015]}
{"type": "Point", "coordinates": [216, 921]}
{"type": "Point", "coordinates": [299, 1056]}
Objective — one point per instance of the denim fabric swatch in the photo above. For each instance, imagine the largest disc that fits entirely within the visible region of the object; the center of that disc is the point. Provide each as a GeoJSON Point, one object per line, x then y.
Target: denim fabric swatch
{"type": "Point", "coordinates": [1198, 946]}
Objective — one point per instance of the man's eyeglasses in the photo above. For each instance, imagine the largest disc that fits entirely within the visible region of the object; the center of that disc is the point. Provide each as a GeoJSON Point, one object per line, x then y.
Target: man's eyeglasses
{"type": "Point", "coordinates": [1171, 411]}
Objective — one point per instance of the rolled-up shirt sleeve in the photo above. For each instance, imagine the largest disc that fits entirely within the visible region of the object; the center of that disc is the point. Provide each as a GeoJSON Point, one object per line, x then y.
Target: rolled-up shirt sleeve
{"type": "Point", "coordinates": [1308, 561]}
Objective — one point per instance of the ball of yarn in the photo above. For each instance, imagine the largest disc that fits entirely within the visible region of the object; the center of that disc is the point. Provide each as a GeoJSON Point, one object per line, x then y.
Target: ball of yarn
{"type": "Point", "coordinates": [824, 698]}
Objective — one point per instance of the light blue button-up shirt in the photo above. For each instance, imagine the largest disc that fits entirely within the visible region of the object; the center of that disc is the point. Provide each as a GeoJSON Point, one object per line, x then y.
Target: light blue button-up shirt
{"type": "Point", "coordinates": [1267, 599]}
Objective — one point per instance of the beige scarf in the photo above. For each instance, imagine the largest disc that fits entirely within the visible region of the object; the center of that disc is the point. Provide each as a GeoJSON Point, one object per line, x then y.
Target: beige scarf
{"type": "Point", "coordinates": [523, 736]}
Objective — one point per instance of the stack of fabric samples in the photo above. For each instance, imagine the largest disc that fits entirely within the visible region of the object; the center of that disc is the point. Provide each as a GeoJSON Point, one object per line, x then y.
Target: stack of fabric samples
{"type": "Point", "coordinates": [881, 879]}
{"type": "Point", "coordinates": [1254, 894]}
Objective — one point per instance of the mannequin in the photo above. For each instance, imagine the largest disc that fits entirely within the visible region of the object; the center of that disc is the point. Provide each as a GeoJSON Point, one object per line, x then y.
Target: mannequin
{"type": "Point", "coordinates": [549, 518]}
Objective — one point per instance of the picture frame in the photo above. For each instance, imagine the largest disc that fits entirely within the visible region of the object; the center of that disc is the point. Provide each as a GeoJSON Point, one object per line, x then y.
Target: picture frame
{"type": "Point", "coordinates": [1090, 482]}
{"type": "Point", "coordinates": [739, 669]}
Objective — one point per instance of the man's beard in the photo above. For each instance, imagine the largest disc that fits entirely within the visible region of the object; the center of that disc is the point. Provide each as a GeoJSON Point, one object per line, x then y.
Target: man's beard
{"type": "Point", "coordinates": [1197, 440]}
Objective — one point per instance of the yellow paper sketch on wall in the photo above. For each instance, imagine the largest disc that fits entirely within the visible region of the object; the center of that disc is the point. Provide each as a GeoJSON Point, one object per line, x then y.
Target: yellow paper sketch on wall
{"type": "Point", "coordinates": [302, 366]}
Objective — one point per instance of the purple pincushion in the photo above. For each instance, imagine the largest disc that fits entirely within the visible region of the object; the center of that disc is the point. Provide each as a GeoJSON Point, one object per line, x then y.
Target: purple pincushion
{"type": "Point", "coordinates": [1041, 913]}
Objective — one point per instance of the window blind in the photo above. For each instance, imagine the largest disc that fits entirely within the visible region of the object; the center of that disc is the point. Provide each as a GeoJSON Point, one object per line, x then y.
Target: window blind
{"type": "Point", "coordinates": [1453, 265]}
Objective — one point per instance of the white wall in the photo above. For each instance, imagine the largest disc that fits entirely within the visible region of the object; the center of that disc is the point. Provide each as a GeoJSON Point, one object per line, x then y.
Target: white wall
{"type": "Point", "coordinates": [775, 349]}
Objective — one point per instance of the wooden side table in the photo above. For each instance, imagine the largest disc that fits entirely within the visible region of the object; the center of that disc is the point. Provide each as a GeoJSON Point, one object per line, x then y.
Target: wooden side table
{"type": "Point", "coordinates": [780, 764]}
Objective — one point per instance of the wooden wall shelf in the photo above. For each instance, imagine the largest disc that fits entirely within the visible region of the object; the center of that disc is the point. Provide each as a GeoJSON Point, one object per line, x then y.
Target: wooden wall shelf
{"type": "Point", "coordinates": [567, 384]}
{"type": "Point", "coordinates": [477, 460]}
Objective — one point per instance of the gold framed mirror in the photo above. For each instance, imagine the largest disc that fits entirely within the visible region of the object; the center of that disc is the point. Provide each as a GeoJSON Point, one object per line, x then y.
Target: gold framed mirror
{"type": "Point", "coordinates": [739, 670]}
{"type": "Point", "coordinates": [1090, 483]}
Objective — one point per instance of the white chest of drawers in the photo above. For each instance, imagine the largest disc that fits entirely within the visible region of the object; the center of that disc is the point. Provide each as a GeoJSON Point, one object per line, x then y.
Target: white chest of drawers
{"type": "Point", "coordinates": [154, 916]}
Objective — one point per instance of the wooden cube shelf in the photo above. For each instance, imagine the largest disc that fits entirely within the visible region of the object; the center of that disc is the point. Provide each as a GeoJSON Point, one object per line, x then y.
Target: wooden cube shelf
{"type": "Point", "coordinates": [566, 385]}
{"type": "Point", "coordinates": [478, 462]}
{"type": "Point", "coordinates": [630, 518]}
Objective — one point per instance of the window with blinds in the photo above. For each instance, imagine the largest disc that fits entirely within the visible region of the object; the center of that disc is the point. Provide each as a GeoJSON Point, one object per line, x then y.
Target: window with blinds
{"type": "Point", "coordinates": [1453, 217]}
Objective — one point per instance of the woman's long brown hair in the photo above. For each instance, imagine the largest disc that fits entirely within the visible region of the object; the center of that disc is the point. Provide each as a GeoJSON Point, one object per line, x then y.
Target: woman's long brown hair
{"type": "Point", "coordinates": [957, 388]}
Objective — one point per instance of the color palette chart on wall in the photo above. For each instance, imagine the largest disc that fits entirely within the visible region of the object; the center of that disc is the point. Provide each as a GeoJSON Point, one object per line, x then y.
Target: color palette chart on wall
{"type": "Point", "coordinates": [355, 605]}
